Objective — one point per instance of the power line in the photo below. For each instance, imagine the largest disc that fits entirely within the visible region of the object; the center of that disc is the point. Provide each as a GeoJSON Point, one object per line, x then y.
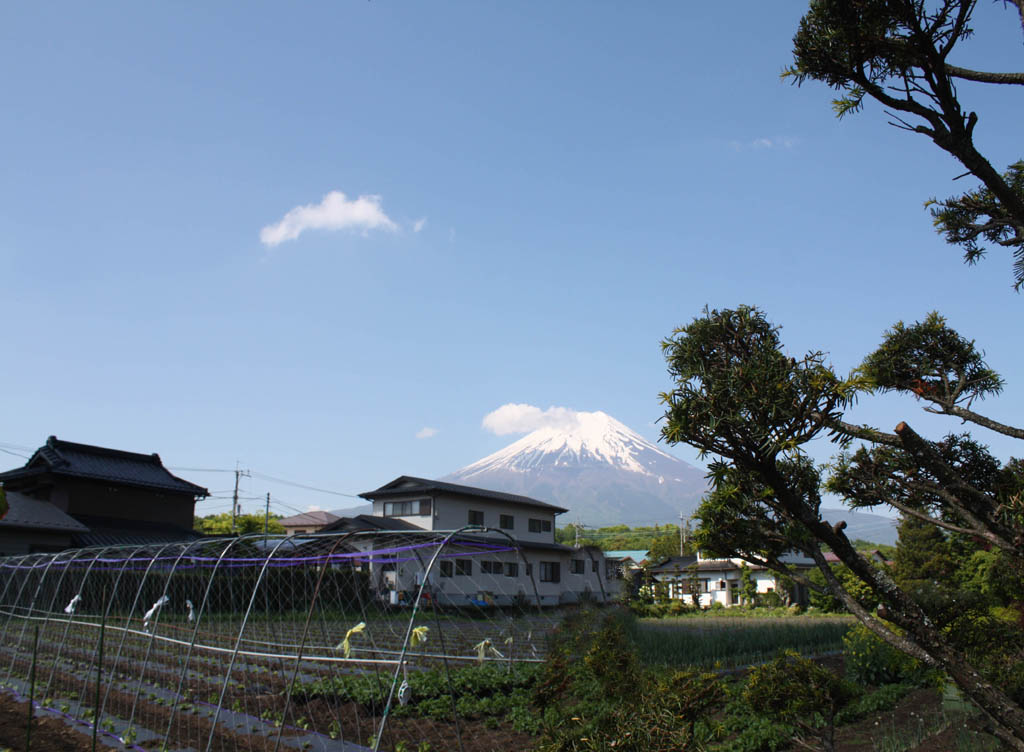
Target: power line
{"type": "Point", "coordinates": [303, 486]}
{"type": "Point", "coordinates": [265, 477]}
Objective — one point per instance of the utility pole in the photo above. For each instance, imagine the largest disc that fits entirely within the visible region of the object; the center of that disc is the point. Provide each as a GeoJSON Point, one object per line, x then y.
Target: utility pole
{"type": "Point", "coordinates": [266, 516]}
{"type": "Point", "coordinates": [577, 527]}
{"type": "Point", "coordinates": [234, 498]}
{"type": "Point", "coordinates": [681, 533]}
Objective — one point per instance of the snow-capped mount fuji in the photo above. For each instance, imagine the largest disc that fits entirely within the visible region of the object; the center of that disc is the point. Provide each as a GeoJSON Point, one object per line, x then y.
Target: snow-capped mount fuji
{"type": "Point", "coordinates": [602, 471]}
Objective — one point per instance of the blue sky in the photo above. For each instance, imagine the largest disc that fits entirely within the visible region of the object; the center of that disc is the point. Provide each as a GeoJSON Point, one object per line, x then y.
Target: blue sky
{"type": "Point", "coordinates": [534, 196]}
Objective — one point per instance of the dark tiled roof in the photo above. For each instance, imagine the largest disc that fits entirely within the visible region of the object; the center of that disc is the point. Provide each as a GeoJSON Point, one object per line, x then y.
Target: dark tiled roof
{"type": "Point", "coordinates": [99, 463]}
{"type": "Point", "coordinates": [104, 531]}
{"type": "Point", "coordinates": [368, 522]}
{"type": "Point", "coordinates": [309, 518]}
{"type": "Point", "coordinates": [26, 512]}
{"type": "Point", "coordinates": [675, 562]}
{"type": "Point", "coordinates": [408, 484]}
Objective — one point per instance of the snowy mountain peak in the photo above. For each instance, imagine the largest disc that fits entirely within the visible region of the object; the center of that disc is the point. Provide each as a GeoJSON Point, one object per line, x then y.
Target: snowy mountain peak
{"type": "Point", "coordinates": [582, 438]}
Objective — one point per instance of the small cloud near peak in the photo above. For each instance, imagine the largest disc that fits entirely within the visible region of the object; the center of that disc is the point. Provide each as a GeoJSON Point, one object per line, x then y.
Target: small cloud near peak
{"type": "Point", "coordinates": [426, 433]}
{"type": "Point", "coordinates": [522, 418]}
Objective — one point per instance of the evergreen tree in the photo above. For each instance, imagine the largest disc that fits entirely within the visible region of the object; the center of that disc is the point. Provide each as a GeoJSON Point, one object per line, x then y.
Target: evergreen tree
{"type": "Point", "coordinates": [922, 553]}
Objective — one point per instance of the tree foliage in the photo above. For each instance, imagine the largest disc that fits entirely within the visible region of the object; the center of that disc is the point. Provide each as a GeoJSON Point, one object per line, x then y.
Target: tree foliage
{"type": "Point", "coordinates": [738, 397]}
{"type": "Point", "coordinates": [220, 524]}
{"type": "Point", "coordinates": [660, 541]}
{"type": "Point", "coordinates": [897, 52]}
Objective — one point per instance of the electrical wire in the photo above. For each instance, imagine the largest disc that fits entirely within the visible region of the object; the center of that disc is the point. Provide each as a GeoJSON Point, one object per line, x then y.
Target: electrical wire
{"type": "Point", "coordinates": [302, 485]}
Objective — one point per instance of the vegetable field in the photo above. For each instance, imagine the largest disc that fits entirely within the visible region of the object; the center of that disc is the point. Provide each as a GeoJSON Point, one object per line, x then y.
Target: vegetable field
{"type": "Point", "coordinates": [263, 643]}
{"type": "Point", "coordinates": [723, 642]}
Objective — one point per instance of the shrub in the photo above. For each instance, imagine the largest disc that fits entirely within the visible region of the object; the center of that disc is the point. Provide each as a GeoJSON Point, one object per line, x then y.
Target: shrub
{"type": "Point", "coordinates": [595, 695]}
{"type": "Point", "coordinates": [798, 691]}
{"type": "Point", "coordinates": [871, 661]}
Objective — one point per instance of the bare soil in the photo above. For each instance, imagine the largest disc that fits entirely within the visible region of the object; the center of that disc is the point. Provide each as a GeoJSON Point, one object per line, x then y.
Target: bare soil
{"type": "Point", "coordinates": [49, 734]}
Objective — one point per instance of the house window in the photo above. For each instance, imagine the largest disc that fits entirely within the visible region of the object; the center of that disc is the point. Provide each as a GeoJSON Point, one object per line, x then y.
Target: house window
{"type": "Point", "coordinates": [529, 570]}
{"type": "Point", "coordinates": [446, 569]}
{"type": "Point", "coordinates": [491, 567]}
{"type": "Point", "coordinates": [511, 569]}
{"type": "Point", "coordinates": [593, 566]}
{"type": "Point", "coordinates": [476, 517]}
{"type": "Point", "coordinates": [506, 522]}
{"type": "Point", "coordinates": [550, 571]}
{"type": "Point", "coordinates": [576, 566]}
{"type": "Point", "coordinates": [464, 567]}
{"type": "Point", "coordinates": [539, 526]}
{"type": "Point", "coordinates": [407, 508]}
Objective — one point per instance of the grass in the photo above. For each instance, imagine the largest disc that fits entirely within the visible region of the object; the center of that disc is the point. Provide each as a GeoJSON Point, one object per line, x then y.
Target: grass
{"type": "Point", "coordinates": [724, 642]}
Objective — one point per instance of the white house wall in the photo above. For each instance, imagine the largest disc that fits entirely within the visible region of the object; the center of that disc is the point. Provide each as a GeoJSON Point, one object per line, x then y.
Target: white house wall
{"type": "Point", "coordinates": [460, 590]}
{"type": "Point", "coordinates": [452, 513]}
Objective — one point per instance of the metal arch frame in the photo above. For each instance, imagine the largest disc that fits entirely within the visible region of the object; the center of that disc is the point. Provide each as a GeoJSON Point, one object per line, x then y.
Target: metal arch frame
{"type": "Point", "coordinates": [106, 615]}
{"type": "Point", "coordinates": [153, 626]}
{"type": "Point", "coordinates": [35, 596]}
{"type": "Point", "coordinates": [415, 608]}
{"type": "Point", "coordinates": [13, 607]}
{"type": "Point", "coordinates": [600, 575]}
{"type": "Point", "coordinates": [195, 633]}
{"type": "Point", "coordinates": [128, 617]}
{"type": "Point", "coordinates": [71, 617]}
{"type": "Point", "coordinates": [238, 640]}
{"type": "Point", "coordinates": [305, 633]}
{"type": "Point", "coordinates": [10, 608]}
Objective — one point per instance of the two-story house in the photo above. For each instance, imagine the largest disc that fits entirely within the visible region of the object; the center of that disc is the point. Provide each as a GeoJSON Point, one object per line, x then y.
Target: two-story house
{"type": "Point", "coordinates": [79, 495]}
{"type": "Point", "coordinates": [720, 580]}
{"type": "Point", "coordinates": [514, 555]}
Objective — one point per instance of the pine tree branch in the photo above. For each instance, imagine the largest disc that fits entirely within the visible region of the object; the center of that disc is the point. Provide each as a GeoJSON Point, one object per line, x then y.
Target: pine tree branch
{"type": "Point", "coordinates": [867, 433]}
{"type": "Point", "coordinates": [985, 77]}
{"type": "Point", "coordinates": [928, 458]}
{"type": "Point", "coordinates": [866, 618]}
{"type": "Point", "coordinates": [981, 420]}
{"type": "Point", "coordinates": [977, 529]}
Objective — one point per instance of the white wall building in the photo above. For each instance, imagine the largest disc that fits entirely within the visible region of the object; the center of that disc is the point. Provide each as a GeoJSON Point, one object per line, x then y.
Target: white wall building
{"type": "Point", "coordinates": [719, 580]}
{"type": "Point", "coordinates": [516, 558]}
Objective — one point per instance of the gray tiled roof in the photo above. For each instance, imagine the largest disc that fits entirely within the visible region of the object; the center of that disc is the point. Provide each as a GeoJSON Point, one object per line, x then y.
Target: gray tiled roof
{"type": "Point", "coordinates": [408, 484]}
{"type": "Point", "coordinates": [26, 512]}
{"type": "Point", "coordinates": [369, 522]}
{"type": "Point", "coordinates": [309, 518]}
{"type": "Point", "coordinates": [103, 531]}
{"type": "Point", "coordinates": [99, 463]}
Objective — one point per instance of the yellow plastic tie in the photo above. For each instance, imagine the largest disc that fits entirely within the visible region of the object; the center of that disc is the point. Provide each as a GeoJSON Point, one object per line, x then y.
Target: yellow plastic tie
{"type": "Point", "coordinates": [345, 645]}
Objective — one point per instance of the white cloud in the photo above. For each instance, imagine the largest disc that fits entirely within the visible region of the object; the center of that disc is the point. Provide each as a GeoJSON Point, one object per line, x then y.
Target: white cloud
{"type": "Point", "coordinates": [314, 508]}
{"type": "Point", "coordinates": [765, 143]}
{"type": "Point", "coordinates": [335, 212]}
{"type": "Point", "coordinates": [419, 224]}
{"type": "Point", "coordinates": [523, 418]}
{"type": "Point", "coordinates": [426, 433]}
